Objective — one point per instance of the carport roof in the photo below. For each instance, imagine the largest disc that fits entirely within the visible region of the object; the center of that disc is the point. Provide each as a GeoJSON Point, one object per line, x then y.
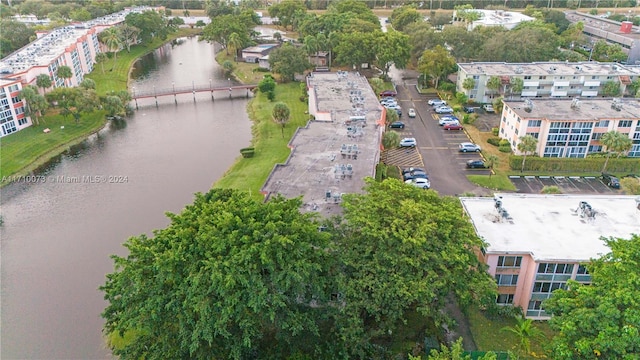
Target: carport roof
{"type": "Point", "coordinates": [553, 227]}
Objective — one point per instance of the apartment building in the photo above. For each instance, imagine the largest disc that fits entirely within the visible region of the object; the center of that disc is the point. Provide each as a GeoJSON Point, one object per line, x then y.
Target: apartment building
{"type": "Point", "coordinates": [545, 79]}
{"type": "Point", "coordinates": [536, 243]}
{"type": "Point", "coordinates": [12, 108]}
{"type": "Point", "coordinates": [623, 33]}
{"type": "Point", "coordinates": [570, 128]}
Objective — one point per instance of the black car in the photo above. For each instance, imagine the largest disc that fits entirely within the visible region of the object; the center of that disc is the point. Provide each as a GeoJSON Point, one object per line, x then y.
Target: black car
{"type": "Point", "coordinates": [469, 109]}
{"type": "Point", "coordinates": [397, 125]}
{"type": "Point", "coordinates": [410, 170]}
{"type": "Point", "coordinates": [475, 164]}
{"type": "Point", "coordinates": [610, 180]}
{"type": "Point", "coordinates": [415, 175]}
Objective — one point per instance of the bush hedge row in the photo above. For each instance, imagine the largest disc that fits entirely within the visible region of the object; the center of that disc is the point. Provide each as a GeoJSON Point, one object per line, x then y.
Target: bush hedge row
{"type": "Point", "coordinates": [578, 165]}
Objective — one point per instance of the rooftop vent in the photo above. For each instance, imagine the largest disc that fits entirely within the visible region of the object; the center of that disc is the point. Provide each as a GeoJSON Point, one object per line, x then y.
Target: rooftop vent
{"type": "Point", "coordinates": [528, 105]}
{"type": "Point", "coordinates": [504, 215]}
{"type": "Point", "coordinates": [519, 70]}
{"type": "Point", "coordinates": [586, 211]}
{"type": "Point", "coordinates": [616, 104]}
{"type": "Point", "coordinates": [575, 103]}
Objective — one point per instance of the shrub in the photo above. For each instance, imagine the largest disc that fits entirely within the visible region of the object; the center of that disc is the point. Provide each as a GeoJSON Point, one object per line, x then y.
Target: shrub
{"type": "Point", "coordinates": [495, 131]}
{"type": "Point", "coordinates": [551, 189]}
{"type": "Point", "coordinates": [504, 142]}
{"type": "Point", "coordinates": [495, 311]}
{"type": "Point", "coordinates": [271, 95]}
{"type": "Point", "coordinates": [593, 12]}
{"type": "Point", "coordinates": [446, 86]}
{"type": "Point", "coordinates": [494, 141]}
{"type": "Point", "coordinates": [504, 148]}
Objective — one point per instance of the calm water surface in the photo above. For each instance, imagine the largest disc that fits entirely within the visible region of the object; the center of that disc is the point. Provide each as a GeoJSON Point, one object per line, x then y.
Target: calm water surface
{"type": "Point", "coordinates": [57, 237]}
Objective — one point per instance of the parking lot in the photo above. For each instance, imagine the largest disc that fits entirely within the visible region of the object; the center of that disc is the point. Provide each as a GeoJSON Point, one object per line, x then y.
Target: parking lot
{"type": "Point", "coordinates": [567, 185]}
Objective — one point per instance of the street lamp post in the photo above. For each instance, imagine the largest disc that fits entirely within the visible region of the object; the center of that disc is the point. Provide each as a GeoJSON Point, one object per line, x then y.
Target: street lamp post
{"type": "Point", "coordinates": [211, 89]}
{"type": "Point", "coordinates": [175, 99]}
{"type": "Point", "coordinates": [229, 79]}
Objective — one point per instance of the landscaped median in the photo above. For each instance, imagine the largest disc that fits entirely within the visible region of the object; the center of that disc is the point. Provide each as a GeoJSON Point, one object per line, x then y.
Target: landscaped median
{"type": "Point", "coordinates": [26, 150]}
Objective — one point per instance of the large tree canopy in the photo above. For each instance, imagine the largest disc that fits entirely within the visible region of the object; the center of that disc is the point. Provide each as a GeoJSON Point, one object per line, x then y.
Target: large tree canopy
{"type": "Point", "coordinates": [228, 278]}
{"type": "Point", "coordinates": [394, 263]}
{"type": "Point", "coordinates": [288, 61]}
{"type": "Point", "coordinates": [600, 320]}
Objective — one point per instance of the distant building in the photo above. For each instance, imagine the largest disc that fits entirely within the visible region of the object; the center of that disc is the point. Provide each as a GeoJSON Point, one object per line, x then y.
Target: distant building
{"type": "Point", "coordinates": [544, 79]}
{"type": "Point", "coordinates": [623, 33]}
{"type": "Point", "coordinates": [505, 19]}
{"type": "Point", "coordinates": [536, 243]}
{"type": "Point", "coordinates": [12, 108]}
{"type": "Point", "coordinates": [254, 53]}
{"type": "Point", "coordinates": [30, 20]}
{"type": "Point", "coordinates": [570, 128]}
{"type": "Point", "coordinates": [337, 149]}
{"type": "Point", "coordinates": [74, 46]}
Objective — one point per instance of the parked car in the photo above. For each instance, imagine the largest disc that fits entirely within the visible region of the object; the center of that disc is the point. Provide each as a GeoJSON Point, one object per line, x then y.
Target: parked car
{"type": "Point", "coordinates": [455, 126]}
{"type": "Point", "coordinates": [415, 175]}
{"type": "Point", "coordinates": [411, 169]}
{"type": "Point", "coordinates": [449, 116]}
{"type": "Point", "coordinates": [444, 110]}
{"type": "Point", "coordinates": [412, 112]}
{"type": "Point", "coordinates": [436, 102]}
{"type": "Point", "coordinates": [388, 93]}
{"type": "Point", "coordinates": [610, 180]}
{"type": "Point", "coordinates": [408, 142]}
{"type": "Point", "coordinates": [469, 109]}
{"type": "Point", "coordinates": [389, 100]}
{"type": "Point", "coordinates": [397, 125]}
{"type": "Point", "coordinates": [468, 147]}
{"type": "Point", "coordinates": [445, 121]}
{"type": "Point", "coordinates": [476, 164]}
{"type": "Point", "coordinates": [488, 108]}
{"type": "Point", "coordinates": [421, 183]}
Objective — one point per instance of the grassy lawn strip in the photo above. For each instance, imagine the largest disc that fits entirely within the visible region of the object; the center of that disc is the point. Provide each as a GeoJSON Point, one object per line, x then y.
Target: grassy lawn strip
{"type": "Point", "coordinates": [487, 334]}
{"type": "Point", "coordinates": [27, 149]}
{"type": "Point", "coordinates": [270, 145]}
{"type": "Point", "coordinates": [244, 72]}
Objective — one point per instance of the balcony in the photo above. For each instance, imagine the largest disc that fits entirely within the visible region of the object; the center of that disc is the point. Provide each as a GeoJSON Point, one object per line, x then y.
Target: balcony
{"type": "Point", "coordinates": [592, 83]}
{"type": "Point", "coordinates": [532, 83]}
{"type": "Point", "coordinates": [561, 83]}
{"type": "Point", "coordinates": [589, 93]}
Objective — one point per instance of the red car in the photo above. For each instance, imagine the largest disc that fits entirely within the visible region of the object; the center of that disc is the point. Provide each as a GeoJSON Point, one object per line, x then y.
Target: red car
{"type": "Point", "coordinates": [453, 126]}
{"type": "Point", "coordinates": [387, 93]}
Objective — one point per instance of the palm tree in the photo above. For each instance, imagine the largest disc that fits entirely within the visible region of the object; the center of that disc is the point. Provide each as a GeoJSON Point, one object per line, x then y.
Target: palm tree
{"type": "Point", "coordinates": [281, 114]}
{"type": "Point", "coordinates": [44, 82]}
{"type": "Point", "coordinates": [492, 161]}
{"type": "Point", "coordinates": [494, 83]}
{"type": "Point", "coordinates": [101, 58]}
{"type": "Point", "coordinates": [525, 331]}
{"type": "Point", "coordinates": [236, 42]}
{"type": "Point", "coordinates": [111, 39]}
{"type": "Point", "coordinates": [517, 84]}
{"type": "Point", "coordinates": [528, 144]}
{"type": "Point", "coordinates": [64, 72]}
{"type": "Point", "coordinates": [310, 45]}
{"type": "Point", "coordinates": [615, 142]}
{"type": "Point", "coordinates": [469, 84]}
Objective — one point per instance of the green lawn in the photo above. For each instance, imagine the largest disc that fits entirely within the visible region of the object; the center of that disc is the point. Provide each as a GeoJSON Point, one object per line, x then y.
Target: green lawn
{"type": "Point", "coordinates": [270, 146]}
{"type": "Point", "coordinates": [499, 181]}
{"type": "Point", "coordinates": [25, 150]}
{"type": "Point", "coordinates": [487, 334]}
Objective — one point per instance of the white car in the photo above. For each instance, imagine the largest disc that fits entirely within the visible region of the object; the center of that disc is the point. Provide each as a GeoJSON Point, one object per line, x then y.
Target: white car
{"type": "Point", "coordinates": [389, 102]}
{"type": "Point", "coordinates": [445, 121]}
{"type": "Point", "coordinates": [488, 108]}
{"type": "Point", "coordinates": [408, 142]}
{"type": "Point", "coordinates": [444, 110]}
{"type": "Point", "coordinates": [469, 147]}
{"type": "Point", "coordinates": [436, 102]}
{"type": "Point", "coordinates": [412, 113]}
{"type": "Point", "coordinates": [419, 182]}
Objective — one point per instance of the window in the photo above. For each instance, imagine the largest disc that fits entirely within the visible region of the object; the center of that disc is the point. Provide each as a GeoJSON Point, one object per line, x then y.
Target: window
{"type": "Point", "coordinates": [582, 270]}
{"type": "Point", "coordinates": [602, 123]}
{"type": "Point", "coordinates": [595, 148]}
{"type": "Point", "coordinates": [547, 287]}
{"type": "Point", "coordinates": [534, 123]}
{"type": "Point", "coordinates": [534, 134]}
{"type": "Point", "coordinates": [596, 136]}
{"type": "Point", "coordinates": [20, 110]}
{"type": "Point", "coordinates": [551, 268]}
{"type": "Point", "coordinates": [516, 131]}
{"type": "Point", "coordinates": [535, 305]}
{"type": "Point", "coordinates": [542, 77]}
{"type": "Point", "coordinates": [504, 299]}
{"type": "Point", "coordinates": [509, 261]}
{"type": "Point", "coordinates": [16, 99]}
{"type": "Point", "coordinates": [507, 280]}
{"type": "Point", "coordinates": [625, 123]}
{"type": "Point", "coordinates": [22, 121]}
{"type": "Point", "coordinates": [527, 77]}
{"type": "Point", "coordinates": [13, 88]}
{"type": "Point", "coordinates": [594, 77]}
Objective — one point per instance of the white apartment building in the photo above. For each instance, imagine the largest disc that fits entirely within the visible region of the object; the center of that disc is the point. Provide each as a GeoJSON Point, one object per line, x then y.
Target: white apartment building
{"type": "Point", "coordinates": [536, 243]}
{"type": "Point", "coordinates": [546, 79]}
{"type": "Point", "coordinates": [12, 108]}
{"type": "Point", "coordinates": [505, 19]}
{"type": "Point", "coordinates": [570, 128]}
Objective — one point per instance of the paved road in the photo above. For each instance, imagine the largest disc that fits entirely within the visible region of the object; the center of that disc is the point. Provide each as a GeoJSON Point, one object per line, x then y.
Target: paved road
{"type": "Point", "coordinates": [438, 148]}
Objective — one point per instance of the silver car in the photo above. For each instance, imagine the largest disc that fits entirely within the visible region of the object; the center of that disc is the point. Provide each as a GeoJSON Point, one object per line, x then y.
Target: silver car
{"type": "Point", "coordinates": [408, 142]}
{"type": "Point", "coordinates": [469, 147]}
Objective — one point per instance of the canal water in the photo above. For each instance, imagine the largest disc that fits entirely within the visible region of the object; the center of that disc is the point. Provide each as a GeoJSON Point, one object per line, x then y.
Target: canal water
{"type": "Point", "coordinates": [57, 236]}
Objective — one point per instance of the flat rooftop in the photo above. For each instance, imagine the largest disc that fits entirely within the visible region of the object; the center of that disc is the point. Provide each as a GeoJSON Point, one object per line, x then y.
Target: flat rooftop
{"type": "Point", "coordinates": [553, 227]}
{"type": "Point", "coordinates": [599, 26]}
{"type": "Point", "coordinates": [500, 17]}
{"type": "Point", "coordinates": [588, 109]}
{"type": "Point", "coordinates": [549, 68]}
{"type": "Point", "coordinates": [49, 47]}
{"type": "Point", "coordinates": [330, 158]}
